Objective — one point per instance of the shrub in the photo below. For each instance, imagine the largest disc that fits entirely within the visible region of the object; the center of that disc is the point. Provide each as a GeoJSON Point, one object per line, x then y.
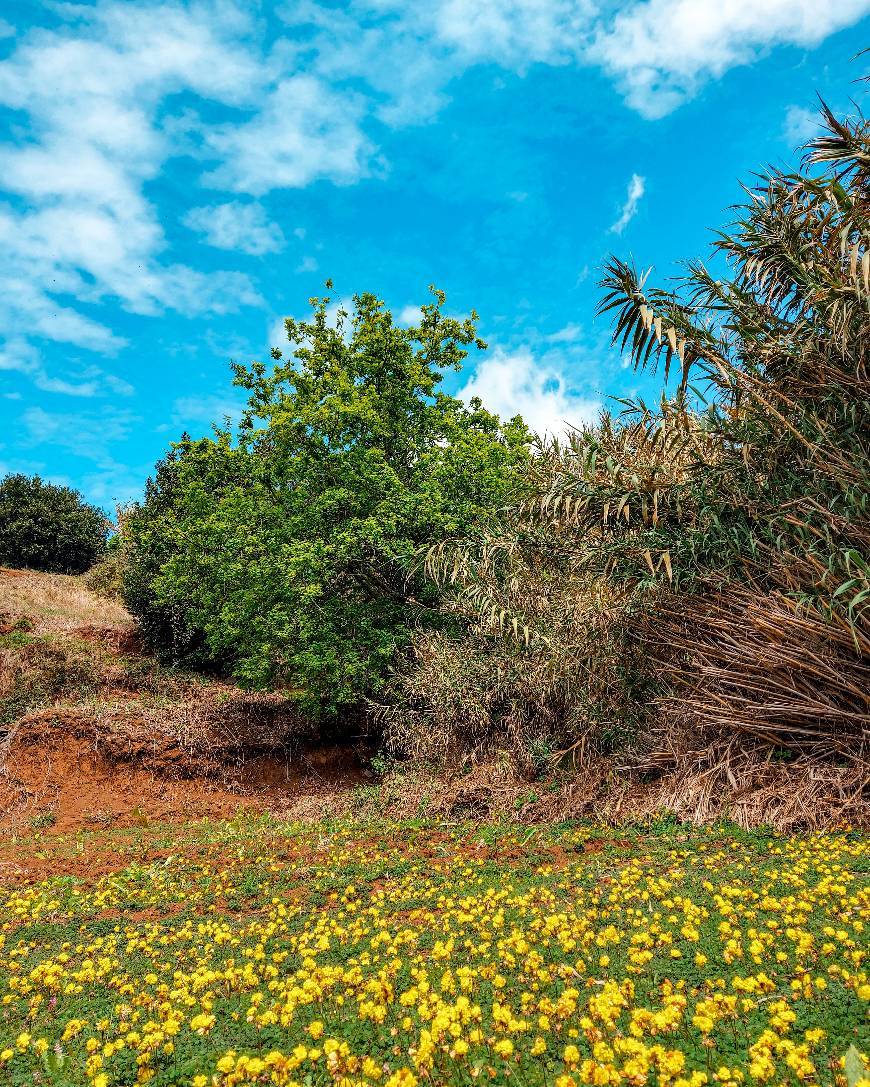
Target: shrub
{"type": "Point", "coordinates": [283, 554]}
{"type": "Point", "coordinates": [106, 577]}
{"type": "Point", "coordinates": [726, 533]}
{"type": "Point", "coordinates": [46, 527]}
{"type": "Point", "coordinates": [547, 656]}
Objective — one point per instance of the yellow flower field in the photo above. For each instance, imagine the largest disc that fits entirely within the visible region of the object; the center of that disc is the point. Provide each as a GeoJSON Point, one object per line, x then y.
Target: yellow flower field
{"type": "Point", "coordinates": [255, 952]}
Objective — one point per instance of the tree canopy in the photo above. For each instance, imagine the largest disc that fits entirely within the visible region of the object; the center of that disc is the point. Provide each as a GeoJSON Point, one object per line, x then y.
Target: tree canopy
{"type": "Point", "coordinates": [47, 527]}
{"type": "Point", "coordinates": [285, 552]}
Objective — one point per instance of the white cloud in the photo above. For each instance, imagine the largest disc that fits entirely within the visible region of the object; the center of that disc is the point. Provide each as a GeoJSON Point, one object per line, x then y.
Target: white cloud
{"type": "Point", "coordinates": [633, 197]}
{"type": "Point", "coordinates": [662, 51]}
{"type": "Point", "coordinates": [800, 125]}
{"type": "Point", "coordinates": [277, 335]}
{"type": "Point", "coordinates": [84, 434]}
{"type": "Point", "coordinates": [237, 226]}
{"type": "Point", "coordinates": [410, 315]}
{"type": "Point", "coordinates": [515, 32]}
{"type": "Point", "coordinates": [19, 356]}
{"type": "Point", "coordinates": [515, 383]}
{"type": "Point", "coordinates": [302, 133]}
{"type": "Point", "coordinates": [388, 47]}
{"type": "Point", "coordinates": [81, 227]}
{"type": "Point", "coordinates": [89, 435]}
{"type": "Point", "coordinates": [200, 413]}
{"type": "Point", "coordinates": [570, 333]}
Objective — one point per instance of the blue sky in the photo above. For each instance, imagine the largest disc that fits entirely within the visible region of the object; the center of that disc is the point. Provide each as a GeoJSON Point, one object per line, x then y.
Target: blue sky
{"type": "Point", "coordinates": [176, 178]}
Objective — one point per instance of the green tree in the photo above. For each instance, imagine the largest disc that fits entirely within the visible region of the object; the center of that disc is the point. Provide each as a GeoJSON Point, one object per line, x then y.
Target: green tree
{"type": "Point", "coordinates": [46, 527]}
{"type": "Point", "coordinates": [285, 554]}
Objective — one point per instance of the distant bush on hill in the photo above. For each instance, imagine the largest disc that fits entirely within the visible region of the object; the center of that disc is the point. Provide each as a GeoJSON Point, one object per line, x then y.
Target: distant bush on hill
{"type": "Point", "coordinates": [49, 528]}
{"type": "Point", "coordinates": [106, 577]}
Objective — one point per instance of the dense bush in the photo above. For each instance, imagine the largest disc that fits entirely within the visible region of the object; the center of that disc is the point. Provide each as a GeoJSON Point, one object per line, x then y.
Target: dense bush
{"type": "Point", "coordinates": [46, 527]}
{"type": "Point", "coordinates": [724, 534]}
{"type": "Point", "coordinates": [283, 554]}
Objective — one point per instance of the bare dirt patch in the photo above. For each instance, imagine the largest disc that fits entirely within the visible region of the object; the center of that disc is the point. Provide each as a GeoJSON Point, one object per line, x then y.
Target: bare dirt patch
{"type": "Point", "coordinates": [66, 771]}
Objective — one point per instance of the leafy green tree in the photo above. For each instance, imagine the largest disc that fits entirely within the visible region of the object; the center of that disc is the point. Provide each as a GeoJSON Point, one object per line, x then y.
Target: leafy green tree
{"type": "Point", "coordinates": [46, 527]}
{"type": "Point", "coordinates": [285, 554]}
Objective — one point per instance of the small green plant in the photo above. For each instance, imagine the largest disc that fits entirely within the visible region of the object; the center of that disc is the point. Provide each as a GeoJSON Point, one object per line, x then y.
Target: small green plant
{"type": "Point", "coordinates": [383, 763]}
{"type": "Point", "coordinates": [43, 819]}
{"type": "Point", "coordinates": [541, 753]}
{"type": "Point", "coordinates": [54, 1061]}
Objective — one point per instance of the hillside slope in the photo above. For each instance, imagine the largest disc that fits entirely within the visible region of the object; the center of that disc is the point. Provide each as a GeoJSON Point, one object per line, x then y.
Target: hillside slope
{"type": "Point", "coordinates": [93, 730]}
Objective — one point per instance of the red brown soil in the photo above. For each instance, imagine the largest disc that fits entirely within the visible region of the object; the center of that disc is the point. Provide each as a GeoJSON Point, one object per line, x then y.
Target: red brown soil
{"type": "Point", "coordinates": [117, 640]}
{"type": "Point", "coordinates": [66, 771]}
{"type": "Point", "coordinates": [139, 743]}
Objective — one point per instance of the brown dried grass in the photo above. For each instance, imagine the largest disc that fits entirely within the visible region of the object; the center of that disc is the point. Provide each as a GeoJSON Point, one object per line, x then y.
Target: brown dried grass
{"type": "Point", "coordinates": [74, 657]}
{"type": "Point", "coordinates": [750, 790]}
{"type": "Point", "coordinates": [55, 603]}
{"type": "Point", "coordinates": [752, 669]}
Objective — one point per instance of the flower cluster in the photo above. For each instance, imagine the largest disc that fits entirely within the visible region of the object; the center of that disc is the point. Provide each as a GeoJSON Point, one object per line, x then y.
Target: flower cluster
{"type": "Point", "coordinates": [400, 956]}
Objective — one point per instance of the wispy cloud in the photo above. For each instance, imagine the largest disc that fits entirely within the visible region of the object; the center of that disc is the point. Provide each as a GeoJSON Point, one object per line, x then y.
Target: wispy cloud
{"type": "Point", "coordinates": [569, 333]}
{"type": "Point", "coordinates": [302, 132]}
{"type": "Point", "coordinates": [633, 197]}
{"type": "Point", "coordinates": [800, 125]}
{"type": "Point", "coordinates": [244, 228]}
{"type": "Point", "coordinates": [19, 356]}
{"type": "Point", "coordinates": [93, 436]}
{"type": "Point", "coordinates": [86, 434]}
{"type": "Point", "coordinates": [198, 414]}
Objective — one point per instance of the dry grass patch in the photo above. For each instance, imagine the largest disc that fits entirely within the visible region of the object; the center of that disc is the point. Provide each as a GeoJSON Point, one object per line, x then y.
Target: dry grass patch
{"type": "Point", "coordinates": [56, 603]}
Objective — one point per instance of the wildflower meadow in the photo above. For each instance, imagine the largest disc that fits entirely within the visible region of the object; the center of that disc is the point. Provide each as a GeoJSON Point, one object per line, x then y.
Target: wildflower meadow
{"type": "Point", "coordinates": [256, 952]}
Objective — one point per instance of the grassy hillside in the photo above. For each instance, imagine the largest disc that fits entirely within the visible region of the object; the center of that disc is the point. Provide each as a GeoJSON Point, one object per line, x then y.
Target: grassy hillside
{"type": "Point", "coordinates": [93, 729]}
